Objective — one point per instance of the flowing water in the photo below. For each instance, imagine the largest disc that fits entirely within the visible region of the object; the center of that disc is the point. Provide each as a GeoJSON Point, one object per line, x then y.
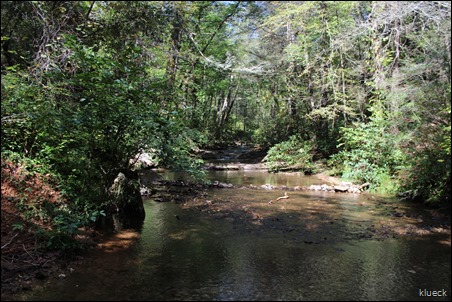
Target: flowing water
{"type": "Point", "coordinates": [311, 246]}
{"type": "Point", "coordinates": [255, 177]}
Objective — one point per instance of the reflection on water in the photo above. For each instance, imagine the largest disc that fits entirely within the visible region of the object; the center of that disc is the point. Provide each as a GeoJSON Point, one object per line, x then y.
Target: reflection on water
{"type": "Point", "coordinates": [245, 177]}
{"type": "Point", "coordinates": [254, 177]}
{"type": "Point", "coordinates": [182, 255]}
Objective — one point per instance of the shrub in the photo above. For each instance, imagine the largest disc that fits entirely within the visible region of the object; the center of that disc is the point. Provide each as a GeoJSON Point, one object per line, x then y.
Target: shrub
{"type": "Point", "coordinates": [293, 154]}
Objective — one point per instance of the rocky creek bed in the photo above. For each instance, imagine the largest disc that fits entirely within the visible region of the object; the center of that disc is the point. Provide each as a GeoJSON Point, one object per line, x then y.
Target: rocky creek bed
{"type": "Point", "coordinates": [275, 207]}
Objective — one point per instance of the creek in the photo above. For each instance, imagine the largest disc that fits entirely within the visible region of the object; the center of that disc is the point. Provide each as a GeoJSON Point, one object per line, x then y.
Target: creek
{"type": "Point", "coordinates": [232, 244]}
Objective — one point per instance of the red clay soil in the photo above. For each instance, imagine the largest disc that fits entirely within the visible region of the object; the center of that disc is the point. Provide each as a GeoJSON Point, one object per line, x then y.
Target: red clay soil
{"type": "Point", "coordinates": [24, 258]}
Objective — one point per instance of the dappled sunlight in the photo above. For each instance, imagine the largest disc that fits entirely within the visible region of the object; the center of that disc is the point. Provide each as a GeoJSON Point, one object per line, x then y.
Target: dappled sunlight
{"type": "Point", "coordinates": [184, 234]}
{"type": "Point", "coordinates": [122, 240]}
{"type": "Point", "coordinates": [318, 215]}
{"type": "Point", "coordinates": [225, 248]}
{"type": "Point", "coordinates": [445, 241]}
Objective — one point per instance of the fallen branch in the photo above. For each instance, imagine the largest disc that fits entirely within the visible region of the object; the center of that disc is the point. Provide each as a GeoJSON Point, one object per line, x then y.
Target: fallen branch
{"type": "Point", "coordinates": [283, 197]}
{"type": "Point", "coordinates": [6, 244]}
{"type": "Point", "coordinates": [31, 263]}
{"type": "Point", "coordinates": [279, 198]}
{"type": "Point", "coordinates": [28, 252]}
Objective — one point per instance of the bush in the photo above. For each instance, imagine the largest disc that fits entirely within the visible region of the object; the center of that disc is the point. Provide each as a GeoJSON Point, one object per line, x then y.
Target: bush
{"type": "Point", "coordinates": [31, 187]}
{"type": "Point", "coordinates": [429, 176]}
{"type": "Point", "coordinates": [370, 153]}
{"type": "Point", "coordinates": [294, 154]}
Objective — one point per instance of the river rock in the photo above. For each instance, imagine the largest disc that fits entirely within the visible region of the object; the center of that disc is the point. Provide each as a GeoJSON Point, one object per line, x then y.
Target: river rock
{"type": "Point", "coordinates": [324, 187]}
{"type": "Point", "coordinates": [341, 188]}
{"type": "Point", "coordinates": [125, 209]}
{"type": "Point", "coordinates": [222, 185]}
{"type": "Point", "coordinates": [344, 187]}
{"type": "Point", "coordinates": [223, 167]}
{"type": "Point", "coordinates": [268, 187]}
{"type": "Point", "coordinates": [353, 189]}
{"type": "Point", "coordinates": [315, 188]}
{"type": "Point", "coordinates": [143, 160]}
{"type": "Point", "coordinates": [145, 191]}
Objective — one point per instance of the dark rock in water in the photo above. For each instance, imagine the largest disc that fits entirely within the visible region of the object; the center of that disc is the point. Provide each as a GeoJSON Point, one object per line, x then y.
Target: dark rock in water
{"type": "Point", "coordinates": [341, 188]}
{"type": "Point", "coordinates": [126, 208]}
{"type": "Point", "coordinates": [398, 214]}
{"type": "Point", "coordinates": [364, 186]}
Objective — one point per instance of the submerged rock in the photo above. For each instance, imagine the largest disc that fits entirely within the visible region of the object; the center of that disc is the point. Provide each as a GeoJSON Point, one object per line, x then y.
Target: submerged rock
{"type": "Point", "coordinates": [341, 188]}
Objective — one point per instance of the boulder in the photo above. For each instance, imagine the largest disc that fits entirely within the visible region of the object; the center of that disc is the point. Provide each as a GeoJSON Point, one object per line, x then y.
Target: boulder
{"type": "Point", "coordinates": [341, 188]}
{"type": "Point", "coordinates": [125, 209]}
{"type": "Point", "coordinates": [143, 160]}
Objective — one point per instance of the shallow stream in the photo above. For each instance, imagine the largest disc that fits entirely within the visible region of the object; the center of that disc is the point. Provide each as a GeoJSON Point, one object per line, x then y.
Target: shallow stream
{"type": "Point", "coordinates": [233, 244]}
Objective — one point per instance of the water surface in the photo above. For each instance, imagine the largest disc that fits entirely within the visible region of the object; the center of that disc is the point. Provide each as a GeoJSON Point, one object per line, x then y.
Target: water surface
{"type": "Point", "coordinates": [182, 254]}
{"type": "Point", "coordinates": [253, 177]}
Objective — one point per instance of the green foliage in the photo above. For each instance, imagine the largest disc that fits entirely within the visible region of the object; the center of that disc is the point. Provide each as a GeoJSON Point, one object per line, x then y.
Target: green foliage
{"type": "Point", "coordinates": [428, 178]}
{"type": "Point", "coordinates": [269, 133]}
{"type": "Point", "coordinates": [19, 113]}
{"type": "Point", "coordinates": [18, 227]}
{"type": "Point", "coordinates": [293, 154]}
{"type": "Point", "coordinates": [177, 152]}
{"type": "Point", "coordinates": [61, 218]}
{"type": "Point", "coordinates": [83, 115]}
{"type": "Point", "coordinates": [370, 153]}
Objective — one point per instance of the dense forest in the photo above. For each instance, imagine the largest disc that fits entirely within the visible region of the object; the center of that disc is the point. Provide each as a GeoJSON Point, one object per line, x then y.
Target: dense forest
{"type": "Point", "coordinates": [359, 88]}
